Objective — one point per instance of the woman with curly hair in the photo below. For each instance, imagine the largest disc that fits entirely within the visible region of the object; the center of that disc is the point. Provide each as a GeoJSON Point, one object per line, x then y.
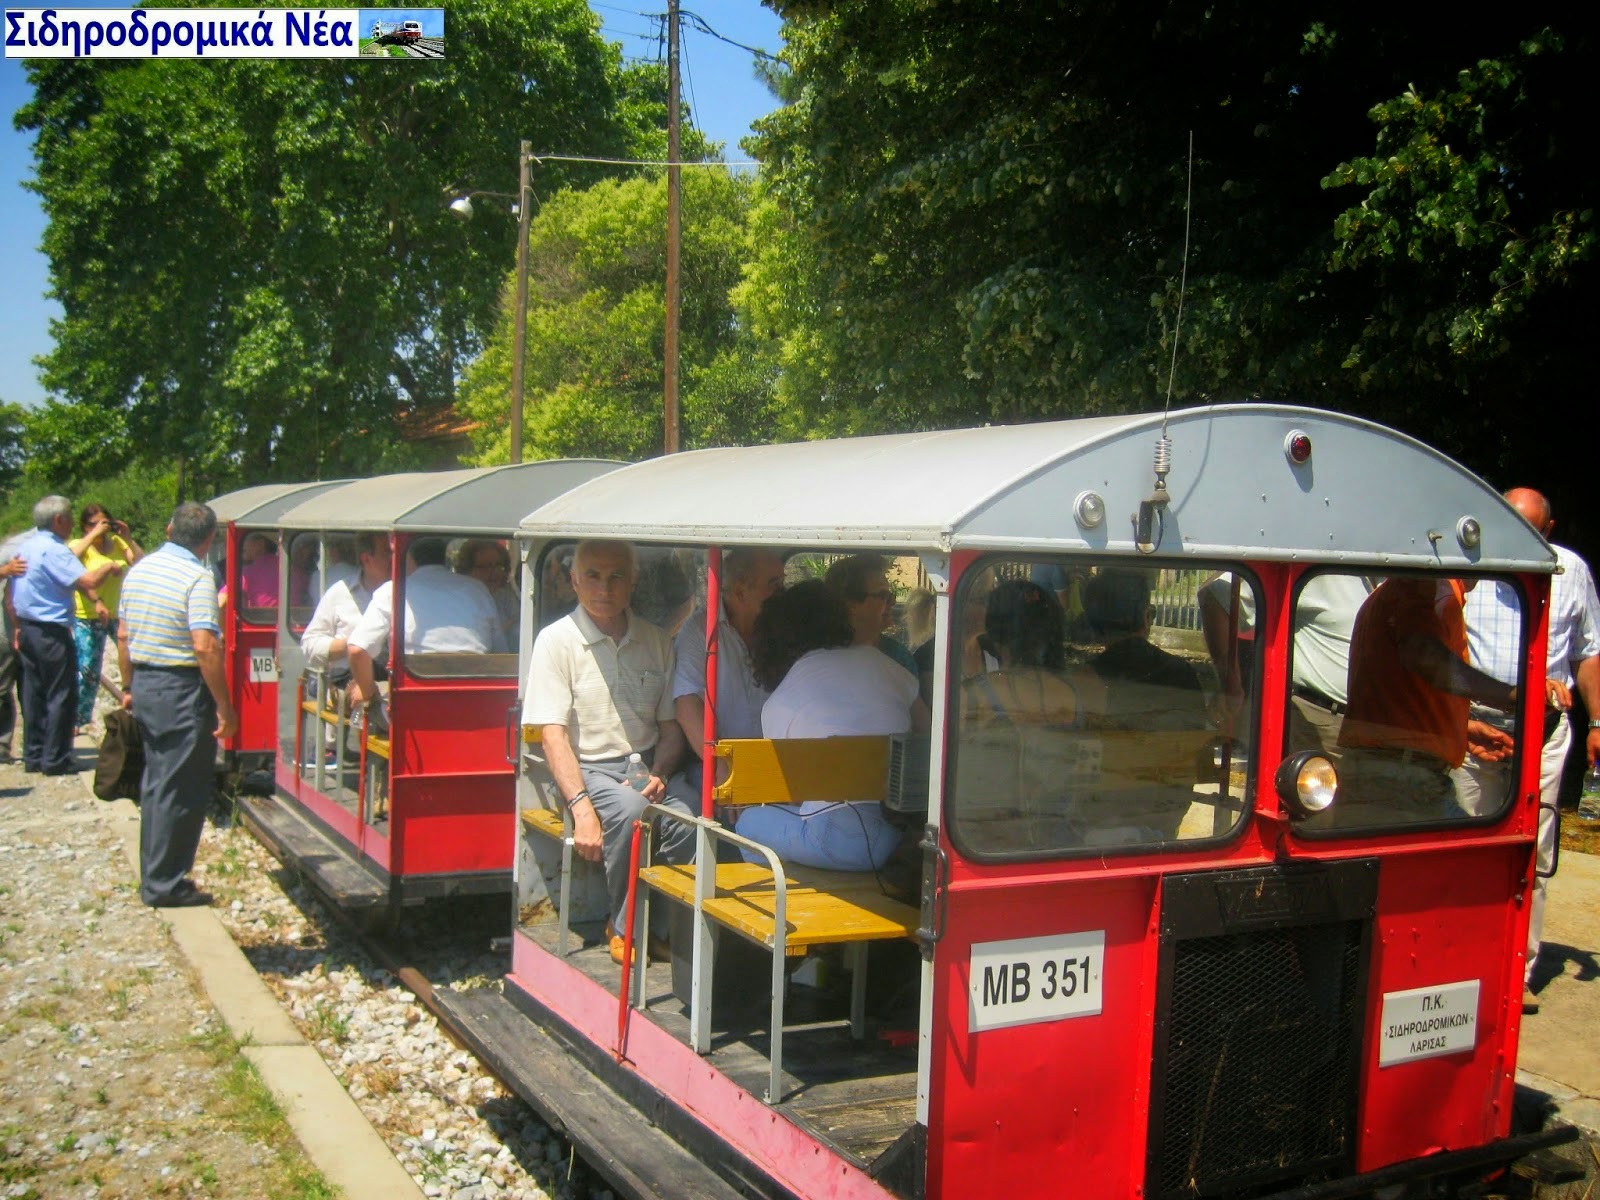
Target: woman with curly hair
{"type": "Point", "coordinates": [824, 684]}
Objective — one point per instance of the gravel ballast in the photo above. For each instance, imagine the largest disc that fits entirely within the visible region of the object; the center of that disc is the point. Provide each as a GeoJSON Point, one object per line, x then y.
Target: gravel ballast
{"type": "Point", "coordinates": [108, 1089]}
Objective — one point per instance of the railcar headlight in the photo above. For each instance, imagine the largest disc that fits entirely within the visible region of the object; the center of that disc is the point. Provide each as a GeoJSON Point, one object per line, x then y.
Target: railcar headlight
{"type": "Point", "coordinates": [1307, 783]}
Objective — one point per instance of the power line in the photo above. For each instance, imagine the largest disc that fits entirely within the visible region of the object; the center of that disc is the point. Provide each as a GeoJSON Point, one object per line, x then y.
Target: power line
{"type": "Point", "coordinates": [699, 23]}
{"type": "Point", "coordinates": [635, 162]}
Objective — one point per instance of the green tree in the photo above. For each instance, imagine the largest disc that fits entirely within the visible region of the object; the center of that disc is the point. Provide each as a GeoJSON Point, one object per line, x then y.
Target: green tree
{"type": "Point", "coordinates": [254, 259]}
{"type": "Point", "coordinates": [594, 373]}
{"type": "Point", "coordinates": [13, 456]}
{"type": "Point", "coordinates": [977, 211]}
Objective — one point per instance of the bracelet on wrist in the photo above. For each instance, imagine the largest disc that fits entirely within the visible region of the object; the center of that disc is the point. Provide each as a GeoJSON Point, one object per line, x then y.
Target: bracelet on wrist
{"type": "Point", "coordinates": [1594, 723]}
{"type": "Point", "coordinates": [582, 794]}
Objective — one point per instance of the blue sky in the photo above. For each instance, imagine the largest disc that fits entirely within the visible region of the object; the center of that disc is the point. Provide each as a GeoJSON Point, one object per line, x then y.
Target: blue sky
{"type": "Point", "coordinates": [717, 80]}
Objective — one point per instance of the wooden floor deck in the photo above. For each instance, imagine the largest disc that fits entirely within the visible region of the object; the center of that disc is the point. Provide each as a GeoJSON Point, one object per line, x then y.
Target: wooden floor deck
{"type": "Point", "coordinates": [857, 1097]}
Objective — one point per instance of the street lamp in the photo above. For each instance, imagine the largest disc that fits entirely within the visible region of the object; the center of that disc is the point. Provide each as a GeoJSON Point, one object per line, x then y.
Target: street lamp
{"type": "Point", "coordinates": [461, 207]}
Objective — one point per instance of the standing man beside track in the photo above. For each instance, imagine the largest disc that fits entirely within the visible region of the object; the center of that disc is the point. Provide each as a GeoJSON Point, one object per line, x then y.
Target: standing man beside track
{"type": "Point", "coordinates": [168, 643]}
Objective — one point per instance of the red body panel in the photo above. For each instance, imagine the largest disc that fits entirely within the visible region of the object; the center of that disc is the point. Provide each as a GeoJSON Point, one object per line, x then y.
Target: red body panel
{"type": "Point", "coordinates": [451, 791]}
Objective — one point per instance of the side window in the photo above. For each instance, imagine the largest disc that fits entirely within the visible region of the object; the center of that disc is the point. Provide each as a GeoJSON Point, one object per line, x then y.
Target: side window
{"type": "Point", "coordinates": [1405, 684]}
{"type": "Point", "coordinates": [1091, 713]}
{"type": "Point", "coordinates": [257, 593]}
{"type": "Point", "coordinates": [461, 609]}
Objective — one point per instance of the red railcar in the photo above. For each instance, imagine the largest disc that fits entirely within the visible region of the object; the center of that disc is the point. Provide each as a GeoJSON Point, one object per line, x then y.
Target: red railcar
{"type": "Point", "coordinates": [1187, 943]}
{"type": "Point", "coordinates": [249, 631]}
{"type": "Point", "coordinates": [382, 817]}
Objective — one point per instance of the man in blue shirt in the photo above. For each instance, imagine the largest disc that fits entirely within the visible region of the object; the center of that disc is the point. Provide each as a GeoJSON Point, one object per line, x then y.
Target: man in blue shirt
{"type": "Point", "coordinates": [42, 601]}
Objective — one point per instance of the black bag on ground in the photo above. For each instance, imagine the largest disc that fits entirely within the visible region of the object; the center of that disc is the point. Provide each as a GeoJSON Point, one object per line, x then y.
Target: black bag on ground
{"type": "Point", "coordinates": [121, 763]}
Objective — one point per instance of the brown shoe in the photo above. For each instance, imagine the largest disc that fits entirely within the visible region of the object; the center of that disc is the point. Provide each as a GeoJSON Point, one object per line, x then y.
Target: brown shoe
{"type": "Point", "coordinates": [1530, 1002]}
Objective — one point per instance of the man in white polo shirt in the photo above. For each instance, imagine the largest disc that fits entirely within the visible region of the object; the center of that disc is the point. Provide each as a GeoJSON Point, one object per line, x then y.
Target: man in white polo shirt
{"type": "Point", "coordinates": [598, 686]}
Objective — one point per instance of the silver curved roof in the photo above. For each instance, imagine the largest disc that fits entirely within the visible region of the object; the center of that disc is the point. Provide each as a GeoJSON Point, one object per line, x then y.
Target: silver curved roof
{"type": "Point", "coordinates": [263, 503]}
{"type": "Point", "coordinates": [489, 500]}
{"type": "Point", "coordinates": [1367, 494]}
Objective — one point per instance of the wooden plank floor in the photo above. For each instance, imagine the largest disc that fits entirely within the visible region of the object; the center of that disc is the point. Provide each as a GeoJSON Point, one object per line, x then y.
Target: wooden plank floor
{"type": "Point", "coordinates": [857, 1097]}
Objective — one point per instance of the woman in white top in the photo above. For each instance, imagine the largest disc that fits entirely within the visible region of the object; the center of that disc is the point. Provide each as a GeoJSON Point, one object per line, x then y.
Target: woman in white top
{"type": "Point", "coordinates": [824, 686]}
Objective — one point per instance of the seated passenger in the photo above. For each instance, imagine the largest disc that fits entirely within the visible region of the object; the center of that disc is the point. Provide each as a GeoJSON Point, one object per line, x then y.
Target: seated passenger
{"type": "Point", "coordinates": [445, 614]}
{"type": "Point", "coordinates": [750, 575]}
{"type": "Point", "coordinates": [824, 683]}
{"type": "Point", "coordinates": [1141, 700]}
{"type": "Point", "coordinates": [344, 564]}
{"type": "Point", "coordinates": [556, 597]}
{"type": "Point", "coordinates": [665, 593]}
{"type": "Point", "coordinates": [258, 572]}
{"type": "Point", "coordinates": [1024, 627]}
{"type": "Point", "coordinates": [325, 642]}
{"type": "Point", "coordinates": [862, 582]}
{"type": "Point", "coordinates": [1409, 722]}
{"type": "Point", "coordinates": [1143, 686]}
{"type": "Point", "coordinates": [489, 562]}
{"type": "Point", "coordinates": [597, 685]}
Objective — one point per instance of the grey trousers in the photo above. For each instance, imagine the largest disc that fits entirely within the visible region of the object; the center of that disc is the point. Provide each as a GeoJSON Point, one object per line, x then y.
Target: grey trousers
{"type": "Point", "coordinates": [618, 806]}
{"type": "Point", "coordinates": [178, 719]}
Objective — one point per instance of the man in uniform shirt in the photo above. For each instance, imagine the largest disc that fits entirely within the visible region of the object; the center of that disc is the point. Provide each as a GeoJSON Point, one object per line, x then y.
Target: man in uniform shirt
{"type": "Point", "coordinates": [1572, 658]}
{"type": "Point", "coordinates": [42, 602]}
{"type": "Point", "coordinates": [749, 576]}
{"type": "Point", "coordinates": [598, 686]}
{"type": "Point", "coordinates": [170, 648]}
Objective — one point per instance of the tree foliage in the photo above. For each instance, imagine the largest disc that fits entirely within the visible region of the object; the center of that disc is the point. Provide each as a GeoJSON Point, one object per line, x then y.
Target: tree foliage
{"type": "Point", "coordinates": [596, 326]}
{"type": "Point", "coordinates": [977, 211]}
{"type": "Point", "coordinates": [254, 258]}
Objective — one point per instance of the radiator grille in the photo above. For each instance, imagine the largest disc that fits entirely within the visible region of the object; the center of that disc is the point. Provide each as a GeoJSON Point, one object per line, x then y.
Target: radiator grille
{"type": "Point", "coordinates": [1257, 1075]}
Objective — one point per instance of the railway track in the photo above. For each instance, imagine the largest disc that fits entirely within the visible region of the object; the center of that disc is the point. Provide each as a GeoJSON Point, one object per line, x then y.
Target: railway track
{"type": "Point", "coordinates": [414, 1077]}
{"type": "Point", "coordinates": [426, 48]}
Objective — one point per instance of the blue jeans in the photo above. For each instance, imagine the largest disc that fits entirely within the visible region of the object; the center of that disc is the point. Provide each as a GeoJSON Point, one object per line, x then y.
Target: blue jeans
{"type": "Point", "coordinates": [841, 837]}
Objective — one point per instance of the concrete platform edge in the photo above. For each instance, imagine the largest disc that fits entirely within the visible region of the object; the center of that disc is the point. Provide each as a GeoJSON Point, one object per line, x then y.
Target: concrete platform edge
{"type": "Point", "coordinates": [336, 1136]}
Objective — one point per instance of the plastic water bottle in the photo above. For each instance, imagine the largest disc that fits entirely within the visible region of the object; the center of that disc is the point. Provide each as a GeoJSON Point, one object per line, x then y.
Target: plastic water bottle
{"type": "Point", "coordinates": [637, 776]}
{"type": "Point", "coordinates": [1589, 800]}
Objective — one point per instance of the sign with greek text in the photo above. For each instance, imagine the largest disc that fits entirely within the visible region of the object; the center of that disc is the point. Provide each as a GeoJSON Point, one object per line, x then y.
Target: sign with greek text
{"type": "Point", "coordinates": [224, 33]}
{"type": "Point", "coordinates": [1028, 980]}
{"type": "Point", "coordinates": [1427, 1022]}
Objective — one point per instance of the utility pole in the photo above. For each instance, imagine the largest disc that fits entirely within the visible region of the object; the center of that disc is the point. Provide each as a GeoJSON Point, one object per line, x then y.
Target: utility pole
{"type": "Point", "coordinates": [520, 334]}
{"type": "Point", "coordinates": [674, 232]}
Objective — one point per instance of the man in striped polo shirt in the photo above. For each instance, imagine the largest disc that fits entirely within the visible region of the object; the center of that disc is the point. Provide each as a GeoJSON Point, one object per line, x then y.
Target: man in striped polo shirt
{"type": "Point", "coordinates": [169, 644]}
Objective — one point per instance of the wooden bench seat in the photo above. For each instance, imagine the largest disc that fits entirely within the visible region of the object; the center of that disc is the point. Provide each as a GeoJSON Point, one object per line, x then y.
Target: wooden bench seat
{"type": "Point", "coordinates": [822, 908]}
{"type": "Point", "coordinates": [544, 820]}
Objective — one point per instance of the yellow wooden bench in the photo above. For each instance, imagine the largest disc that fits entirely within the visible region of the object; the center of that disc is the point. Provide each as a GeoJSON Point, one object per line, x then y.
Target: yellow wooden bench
{"type": "Point", "coordinates": [786, 909]}
{"type": "Point", "coordinates": [824, 908]}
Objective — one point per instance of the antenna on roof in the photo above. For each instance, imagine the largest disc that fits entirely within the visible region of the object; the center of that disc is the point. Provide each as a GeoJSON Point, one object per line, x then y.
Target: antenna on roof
{"type": "Point", "coordinates": [1150, 523]}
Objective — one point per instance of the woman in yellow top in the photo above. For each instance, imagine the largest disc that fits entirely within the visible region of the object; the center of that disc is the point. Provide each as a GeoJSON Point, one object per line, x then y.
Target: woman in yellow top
{"type": "Point", "coordinates": [104, 539]}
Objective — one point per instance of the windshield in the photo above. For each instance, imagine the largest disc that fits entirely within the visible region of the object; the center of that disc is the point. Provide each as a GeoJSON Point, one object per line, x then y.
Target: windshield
{"type": "Point", "coordinates": [1091, 709]}
{"type": "Point", "coordinates": [1406, 683]}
